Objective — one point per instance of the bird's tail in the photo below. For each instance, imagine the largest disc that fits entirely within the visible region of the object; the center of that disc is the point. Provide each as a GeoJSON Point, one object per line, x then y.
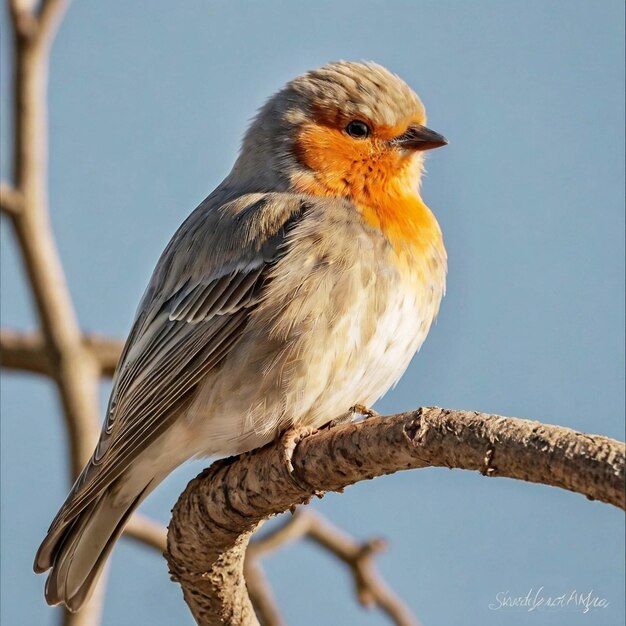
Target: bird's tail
{"type": "Point", "coordinates": [77, 549]}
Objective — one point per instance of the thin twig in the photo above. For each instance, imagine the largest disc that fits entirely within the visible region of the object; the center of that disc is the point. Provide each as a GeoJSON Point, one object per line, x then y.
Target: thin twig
{"type": "Point", "coordinates": [370, 589]}
{"type": "Point", "coordinates": [147, 532]}
{"type": "Point", "coordinates": [26, 352]}
{"type": "Point", "coordinates": [75, 371]}
{"type": "Point", "coordinates": [50, 16]}
{"type": "Point", "coordinates": [292, 529]}
{"type": "Point", "coordinates": [261, 595]}
{"type": "Point", "coordinates": [11, 200]}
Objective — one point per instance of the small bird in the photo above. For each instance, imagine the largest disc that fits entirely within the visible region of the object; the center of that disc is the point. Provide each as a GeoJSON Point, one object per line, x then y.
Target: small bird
{"type": "Point", "coordinates": [302, 286]}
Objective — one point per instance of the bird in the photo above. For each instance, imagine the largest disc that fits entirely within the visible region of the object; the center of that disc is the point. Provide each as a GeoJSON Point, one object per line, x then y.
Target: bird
{"type": "Point", "coordinates": [301, 286]}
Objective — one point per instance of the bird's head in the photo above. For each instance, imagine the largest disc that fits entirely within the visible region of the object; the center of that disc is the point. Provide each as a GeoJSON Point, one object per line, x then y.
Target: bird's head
{"type": "Point", "coordinates": [347, 129]}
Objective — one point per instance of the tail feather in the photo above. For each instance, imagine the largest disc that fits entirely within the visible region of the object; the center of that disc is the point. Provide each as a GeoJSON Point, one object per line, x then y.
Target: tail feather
{"type": "Point", "coordinates": [77, 550]}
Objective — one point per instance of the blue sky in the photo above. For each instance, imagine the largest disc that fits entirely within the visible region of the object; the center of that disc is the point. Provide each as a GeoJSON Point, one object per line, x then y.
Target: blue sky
{"type": "Point", "coordinates": [148, 102]}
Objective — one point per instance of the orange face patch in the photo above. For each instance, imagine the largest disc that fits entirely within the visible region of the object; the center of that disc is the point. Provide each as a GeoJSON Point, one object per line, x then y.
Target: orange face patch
{"type": "Point", "coordinates": [379, 179]}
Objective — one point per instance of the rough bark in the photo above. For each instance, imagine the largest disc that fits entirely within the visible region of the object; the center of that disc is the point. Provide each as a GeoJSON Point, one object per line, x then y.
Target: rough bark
{"type": "Point", "coordinates": [215, 516]}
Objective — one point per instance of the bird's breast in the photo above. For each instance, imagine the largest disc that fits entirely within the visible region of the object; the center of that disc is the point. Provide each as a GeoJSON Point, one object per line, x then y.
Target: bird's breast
{"type": "Point", "coordinates": [344, 313]}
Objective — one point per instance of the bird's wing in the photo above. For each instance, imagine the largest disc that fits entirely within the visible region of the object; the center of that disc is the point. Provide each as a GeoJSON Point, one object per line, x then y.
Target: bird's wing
{"type": "Point", "coordinates": [202, 291]}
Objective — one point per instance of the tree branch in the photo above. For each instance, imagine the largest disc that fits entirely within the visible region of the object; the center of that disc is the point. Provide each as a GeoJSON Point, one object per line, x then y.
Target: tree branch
{"type": "Point", "coordinates": [218, 511]}
{"type": "Point", "coordinates": [73, 368]}
{"type": "Point", "coordinates": [75, 371]}
{"type": "Point", "coordinates": [27, 352]}
{"type": "Point", "coordinates": [359, 557]}
{"type": "Point", "coordinates": [143, 530]}
{"type": "Point", "coordinates": [261, 595]}
{"type": "Point", "coordinates": [50, 16]}
{"type": "Point", "coordinates": [10, 200]}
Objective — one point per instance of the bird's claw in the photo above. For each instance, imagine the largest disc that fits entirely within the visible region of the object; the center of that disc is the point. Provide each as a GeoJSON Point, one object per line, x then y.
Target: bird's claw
{"type": "Point", "coordinates": [354, 413]}
{"type": "Point", "coordinates": [291, 438]}
{"type": "Point", "coordinates": [360, 410]}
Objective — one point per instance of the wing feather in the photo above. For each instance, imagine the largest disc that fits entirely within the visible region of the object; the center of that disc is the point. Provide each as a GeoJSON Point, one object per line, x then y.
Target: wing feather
{"type": "Point", "coordinates": [189, 320]}
{"type": "Point", "coordinates": [217, 297]}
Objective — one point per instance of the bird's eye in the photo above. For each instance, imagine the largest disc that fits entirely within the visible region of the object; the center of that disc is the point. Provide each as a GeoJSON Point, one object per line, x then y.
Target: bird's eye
{"type": "Point", "coordinates": [358, 129]}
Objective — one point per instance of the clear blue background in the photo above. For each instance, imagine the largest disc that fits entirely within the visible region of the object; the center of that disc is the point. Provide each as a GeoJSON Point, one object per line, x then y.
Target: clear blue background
{"type": "Point", "coordinates": [148, 102]}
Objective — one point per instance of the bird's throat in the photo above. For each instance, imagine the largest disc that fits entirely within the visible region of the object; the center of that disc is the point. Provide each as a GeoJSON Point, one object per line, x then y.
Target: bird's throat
{"type": "Point", "coordinates": [392, 206]}
{"type": "Point", "coordinates": [404, 218]}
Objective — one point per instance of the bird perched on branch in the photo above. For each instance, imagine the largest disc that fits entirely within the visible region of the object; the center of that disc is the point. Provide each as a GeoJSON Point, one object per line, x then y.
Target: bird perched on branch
{"type": "Point", "coordinates": [301, 286]}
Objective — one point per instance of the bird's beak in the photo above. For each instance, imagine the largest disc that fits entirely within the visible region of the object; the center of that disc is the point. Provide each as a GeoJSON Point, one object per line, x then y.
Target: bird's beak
{"type": "Point", "coordinates": [419, 138]}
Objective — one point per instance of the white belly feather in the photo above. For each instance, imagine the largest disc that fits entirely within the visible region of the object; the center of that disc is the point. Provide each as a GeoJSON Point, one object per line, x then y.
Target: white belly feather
{"type": "Point", "coordinates": [330, 366]}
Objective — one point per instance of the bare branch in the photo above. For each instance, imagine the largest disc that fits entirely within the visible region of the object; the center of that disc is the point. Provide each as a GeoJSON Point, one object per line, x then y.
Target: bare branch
{"type": "Point", "coordinates": [261, 595]}
{"type": "Point", "coordinates": [26, 352]}
{"type": "Point", "coordinates": [50, 16]}
{"type": "Point", "coordinates": [369, 587]}
{"type": "Point", "coordinates": [144, 530]}
{"type": "Point", "coordinates": [10, 200]}
{"type": "Point", "coordinates": [73, 367]}
{"type": "Point", "coordinates": [23, 18]}
{"type": "Point", "coordinates": [38, 27]}
{"type": "Point", "coordinates": [22, 6]}
{"type": "Point", "coordinates": [293, 529]}
{"type": "Point", "coordinates": [75, 371]}
{"type": "Point", "coordinates": [215, 516]}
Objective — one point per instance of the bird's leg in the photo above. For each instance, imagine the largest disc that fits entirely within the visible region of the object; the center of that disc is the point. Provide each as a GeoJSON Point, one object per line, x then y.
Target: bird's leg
{"type": "Point", "coordinates": [360, 410]}
{"type": "Point", "coordinates": [291, 438]}
{"type": "Point", "coordinates": [354, 413]}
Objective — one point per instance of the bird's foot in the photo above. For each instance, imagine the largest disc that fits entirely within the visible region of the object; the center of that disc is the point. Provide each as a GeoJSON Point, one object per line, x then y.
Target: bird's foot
{"type": "Point", "coordinates": [360, 411]}
{"type": "Point", "coordinates": [353, 414]}
{"type": "Point", "coordinates": [291, 438]}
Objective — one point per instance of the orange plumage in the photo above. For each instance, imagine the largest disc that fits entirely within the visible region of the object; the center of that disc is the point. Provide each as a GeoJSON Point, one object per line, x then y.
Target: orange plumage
{"type": "Point", "coordinates": [381, 181]}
